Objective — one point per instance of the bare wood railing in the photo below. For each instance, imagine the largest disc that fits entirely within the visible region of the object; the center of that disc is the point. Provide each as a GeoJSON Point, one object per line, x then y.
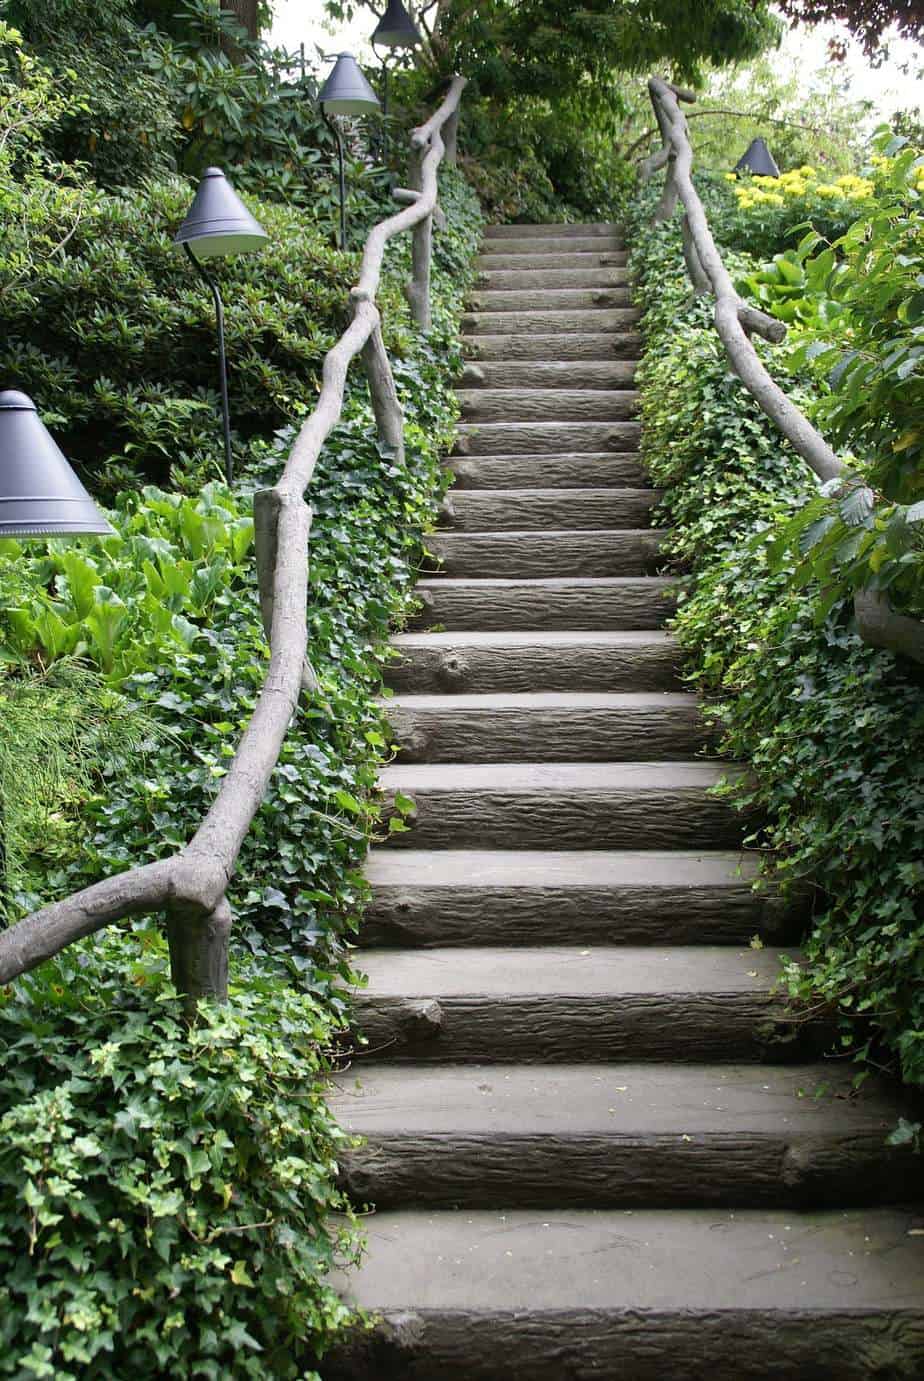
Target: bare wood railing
{"type": "Point", "coordinates": [190, 887]}
{"type": "Point", "coordinates": [736, 321]}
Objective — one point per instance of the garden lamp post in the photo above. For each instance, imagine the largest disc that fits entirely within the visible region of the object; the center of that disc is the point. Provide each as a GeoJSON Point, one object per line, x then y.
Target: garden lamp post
{"type": "Point", "coordinates": [40, 496]}
{"type": "Point", "coordinates": [345, 92]}
{"type": "Point", "coordinates": [395, 30]}
{"type": "Point", "coordinates": [218, 223]}
{"type": "Point", "coordinates": [757, 159]}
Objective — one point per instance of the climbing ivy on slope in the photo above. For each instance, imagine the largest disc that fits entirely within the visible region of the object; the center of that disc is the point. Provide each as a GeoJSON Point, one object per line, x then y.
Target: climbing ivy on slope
{"type": "Point", "coordinates": [167, 1197]}
{"type": "Point", "coordinates": [833, 729]}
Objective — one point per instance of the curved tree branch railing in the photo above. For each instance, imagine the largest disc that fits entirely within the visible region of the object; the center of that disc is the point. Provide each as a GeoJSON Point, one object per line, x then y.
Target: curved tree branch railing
{"type": "Point", "coordinates": [190, 886]}
{"type": "Point", "coordinates": [736, 320]}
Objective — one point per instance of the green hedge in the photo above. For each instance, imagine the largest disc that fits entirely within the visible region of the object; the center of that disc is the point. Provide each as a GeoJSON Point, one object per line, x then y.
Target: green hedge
{"type": "Point", "coordinates": [833, 729]}
{"type": "Point", "coordinates": [206, 1158]}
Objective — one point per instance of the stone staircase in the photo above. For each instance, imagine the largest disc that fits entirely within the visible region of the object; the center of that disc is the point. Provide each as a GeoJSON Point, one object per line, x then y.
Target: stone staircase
{"type": "Point", "coordinates": [598, 1144]}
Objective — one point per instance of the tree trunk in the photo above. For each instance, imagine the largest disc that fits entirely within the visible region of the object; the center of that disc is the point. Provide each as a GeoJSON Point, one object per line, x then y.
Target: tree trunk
{"type": "Point", "coordinates": [245, 11]}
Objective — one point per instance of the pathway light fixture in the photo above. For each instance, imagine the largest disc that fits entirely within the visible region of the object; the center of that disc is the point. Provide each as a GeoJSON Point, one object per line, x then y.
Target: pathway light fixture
{"type": "Point", "coordinates": [345, 92]}
{"type": "Point", "coordinates": [395, 30]}
{"type": "Point", "coordinates": [758, 160]}
{"type": "Point", "coordinates": [40, 496]}
{"type": "Point", "coordinates": [218, 224]}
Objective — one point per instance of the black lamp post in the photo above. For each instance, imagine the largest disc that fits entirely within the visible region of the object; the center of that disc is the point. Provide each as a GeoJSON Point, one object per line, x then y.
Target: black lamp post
{"type": "Point", "coordinates": [395, 30]}
{"type": "Point", "coordinates": [345, 92]}
{"type": "Point", "coordinates": [757, 159]}
{"type": "Point", "coordinates": [218, 223]}
{"type": "Point", "coordinates": [40, 496]}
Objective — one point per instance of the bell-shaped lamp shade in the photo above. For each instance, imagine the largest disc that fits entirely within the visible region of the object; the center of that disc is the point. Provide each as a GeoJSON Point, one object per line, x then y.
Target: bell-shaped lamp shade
{"type": "Point", "coordinates": [346, 91]}
{"type": "Point", "coordinates": [396, 28]}
{"type": "Point", "coordinates": [218, 222]}
{"type": "Point", "coordinates": [757, 159]}
{"type": "Point", "coordinates": [40, 496]}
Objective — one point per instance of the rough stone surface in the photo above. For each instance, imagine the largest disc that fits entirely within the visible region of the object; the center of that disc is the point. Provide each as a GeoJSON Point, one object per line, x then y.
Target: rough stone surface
{"type": "Point", "coordinates": [546, 726]}
{"type": "Point", "coordinates": [520, 509]}
{"type": "Point", "coordinates": [548, 603]}
{"type": "Point", "coordinates": [529, 344]}
{"type": "Point", "coordinates": [653, 805]}
{"type": "Point", "coordinates": [552, 278]}
{"type": "Point", "coordinates": [541, 298]}
{"type": "Point", "coordinates": [444, 897]}
{"type": "Point", "coordinates": [569, 661]}
{"type": "Point", "coordinates": [553, 230]}
{"type": "Point", "coordinates": [507, 554]}
{"type": "Point", "coordinates": [552, 404]}
{"type": "Point", "coordinates": [549, 319]}
{"type": "Point", "coordinates": [580, 259]}
{"type": "Point", "coordinates": [558, 374]}
{"type": "Point", "coordinates": [553, 438]}
{"type": "Point", "coordinates": [587, 469]}
{"type": "Point", "coordinates": [551, 244]}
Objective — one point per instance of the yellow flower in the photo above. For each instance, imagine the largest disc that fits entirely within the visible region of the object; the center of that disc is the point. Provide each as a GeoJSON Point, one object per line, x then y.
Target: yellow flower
{"type": "Point", "coordinates": [807, 170]}
{"type": "Point", "coordinates": [731, 177]}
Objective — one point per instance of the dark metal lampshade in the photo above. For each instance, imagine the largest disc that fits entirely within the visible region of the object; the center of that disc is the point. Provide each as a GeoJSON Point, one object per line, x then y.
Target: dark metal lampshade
{"type": "Point", "coordinates": [40, 496]}
{"type": "Point", "coordinates": [218, 222]}
{"type": "Point", "coordinates": [396, 28]}
{"type": "Point", "coordinates": [346, 91]}
{"type": "Point", "coordinates": [757, 159]}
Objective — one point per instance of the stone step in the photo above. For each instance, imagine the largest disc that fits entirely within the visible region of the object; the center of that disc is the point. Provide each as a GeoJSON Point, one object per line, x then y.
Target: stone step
{"type": "Point", "coordinates": [577, 470]}
{"type": "Point", "coordinates": [595, 344]}
{"type": "Point", "coordinates": [550, 438]}
{"type": "Point", "coordinates": [654, 1295]}
{"type": "Point", "coordinates": [563, 1005]}
{"type": "Point", "coordinates": [557, 374]}
{"type": "Point", "coordinates": [567, 259]}
{"type": "Point", "coordinates": [532, 278]}
{"type": "Point", "coordinates": [485, 662]}
{"type": "Point", "coordinates": [619, 1135]}
{"type": "Point", "coordinates": [571, 805]}
{"type": "Point", "coordinates": [547, 726]}
{"type": "Point", "coordinates": [578, 229]}
{"type": "Point", "coordinates": [550, 244]}
{"type": "Point", "coordinates": [540, 298]}
{"type": "Point", "coordinates": [459, 897]}
{"type": "Point", "coordinates": [547, 404]}
{"type": "Point", "coordinates": [488, 510]}
{"type": "Point", "coordinates": [550, 320]}
{"type": "Point", "coordinates": [547, 603]}
{"type": "Point", "coordinates": [513, 554]}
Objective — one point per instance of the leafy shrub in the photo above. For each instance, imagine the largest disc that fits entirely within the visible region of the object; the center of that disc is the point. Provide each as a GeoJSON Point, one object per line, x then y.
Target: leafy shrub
{"type": "Point", "coordinates": [832, 728]}
{"type": "Point", "coordinates": [167, 1192]}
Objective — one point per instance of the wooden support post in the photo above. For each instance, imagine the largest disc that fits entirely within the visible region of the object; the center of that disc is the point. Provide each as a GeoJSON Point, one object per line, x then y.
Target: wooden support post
{"type": "Point", "coordinates": [199, 952]}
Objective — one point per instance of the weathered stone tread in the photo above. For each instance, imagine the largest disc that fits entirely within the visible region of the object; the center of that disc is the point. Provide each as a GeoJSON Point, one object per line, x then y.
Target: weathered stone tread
{"type": "Point", "coordinates": [559, 374]}
{"type": "Point", "coordinates": [549, 319]}
{"type": "Point", "coordinates": [554, 230]}
{"type": "Point", "coordinates": [546, 726]}
{"type": "Point", "coordinates": [546, 603]}
{"type": "Point", "coordinates": [541, 298]}
{"type": "Point", "coordinates": [557, 508]}
{"type": "Point", "coordinates": [443, 897]}
{"type": "Point", "coordinates": [594, 343]}
{"type": "Point", "coordinates": [694, 1295]}
{"type": "Point", "coordinates": [538, 661]}
{"type": "Point", "coordinates": [553, 404]}
{"type": "Point", "coordinates": [575, 470]}
{"type": "Point", "coordinates": [556, 259]}
{"type": "Point", "coordinates": [589, 277]}
{"type": "Point", "coordinates": [553, 438]}
{"type": "Point", "coordinates": [512, 553]}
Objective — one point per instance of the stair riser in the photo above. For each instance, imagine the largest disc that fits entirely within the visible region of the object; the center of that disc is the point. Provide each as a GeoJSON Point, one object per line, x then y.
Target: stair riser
{"type": "Point", "coordinates": [554, 230]}
{"type": "Point", "coordinates": [514, 555]}
{"type": "Point", "coordinates": [595, 319]}
{"type": "Point", "coordinates": [432, 917]}
{"type": "Point", "coordinates": [535, 262]}
{"type": "Point", "coordinates": [678, 818]}
{"type": "Point", "coordinates": [538, 298]}
{"type": "Point", "coordinates": [563, 374]}
{"type": "Point", "coordinates": [589, 509]}
{"type": "Point", "coordinates": [545, 438]}
{"type": "Point", "coordinates": [560, 1029]}
{"type": "Point", "coordinates": [591, 470]}
{"type": "Point", "coordinates": [733, 1344]}
{"type": "Point", "coordinates": [547, 735]}
{"type": "Point", "coordinates": [481, 670]}
{"type": "Point", "coordinates": [508, 280]}
{"type": "Point", "coordinates": [552, 244]}
{"type": "Point", "coordinates": [551, 404]}
{"type": "Point", "coordinates": [642, 604]}
{"type": "Point", "coordinates": [504, 1170]}
{"type": "Point", "coordinates": [594, 344]}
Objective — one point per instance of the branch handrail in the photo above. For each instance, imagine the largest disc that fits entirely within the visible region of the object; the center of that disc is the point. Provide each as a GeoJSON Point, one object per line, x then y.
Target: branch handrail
{"type": "Point", "coordinates": [190, 886]}
{"type": "Point", "coordinates": [736, 320]}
